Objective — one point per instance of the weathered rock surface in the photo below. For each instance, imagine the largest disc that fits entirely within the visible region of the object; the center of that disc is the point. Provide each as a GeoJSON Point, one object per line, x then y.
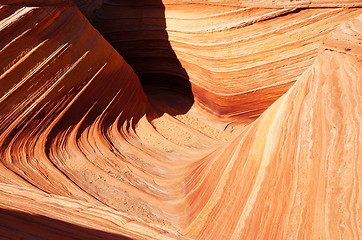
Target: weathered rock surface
{"type": "Point", "coordinates": [213, 47]}
{"type": "Point", "coordinates": [250, 129]}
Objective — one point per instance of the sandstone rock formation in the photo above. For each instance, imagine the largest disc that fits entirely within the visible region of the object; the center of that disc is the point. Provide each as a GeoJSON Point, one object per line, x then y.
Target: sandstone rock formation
{"type": "Point", "coordinates": [250, 127]}
{"type": "Point", "coordinates": [213, 47]}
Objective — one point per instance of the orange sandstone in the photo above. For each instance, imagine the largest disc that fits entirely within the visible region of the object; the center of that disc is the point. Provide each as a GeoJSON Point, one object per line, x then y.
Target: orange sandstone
{"type": "Point", "coordinates": [250, 129]}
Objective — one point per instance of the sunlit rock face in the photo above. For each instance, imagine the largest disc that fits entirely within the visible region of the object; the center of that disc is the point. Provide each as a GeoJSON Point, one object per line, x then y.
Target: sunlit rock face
{"type": "Point", "coordinates": [238, 60]}
{"type": "Point", "coordinates": [224, 120]}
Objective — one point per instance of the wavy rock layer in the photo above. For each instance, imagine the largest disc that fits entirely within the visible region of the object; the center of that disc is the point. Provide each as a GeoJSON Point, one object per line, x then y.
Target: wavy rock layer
{"type": "Point", "coordinates": [230, 55]}
{"type": "Point", "coordinates": [74, 122]}
{"type": "Point", "coordinates": [299, 163]}
{"type": "Point", "coordinates": [85, 154]}
{"type": "Point", "coordinates": [63, 85]}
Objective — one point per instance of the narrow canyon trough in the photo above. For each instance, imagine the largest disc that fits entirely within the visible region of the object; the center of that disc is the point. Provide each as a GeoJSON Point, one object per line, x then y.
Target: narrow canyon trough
{"type": "Point", "coordinates": [187, 119]}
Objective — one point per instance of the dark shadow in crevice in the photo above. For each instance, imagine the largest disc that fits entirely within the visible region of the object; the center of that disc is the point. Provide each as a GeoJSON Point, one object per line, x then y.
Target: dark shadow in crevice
{"type": "Point", "coordinates": [137, 30]}
{"type": "Point", "coordinates": [20, 225]}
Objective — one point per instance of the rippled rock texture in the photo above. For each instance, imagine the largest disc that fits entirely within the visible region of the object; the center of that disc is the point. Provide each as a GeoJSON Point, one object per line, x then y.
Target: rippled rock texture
{"type": "Point", "coordinates": [230, 55]}
{"type": "Point", "coordinates": [224, 120]}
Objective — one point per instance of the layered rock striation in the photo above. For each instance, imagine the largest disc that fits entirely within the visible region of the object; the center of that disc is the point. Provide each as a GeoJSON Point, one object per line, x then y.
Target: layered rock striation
{"type": "Point", "coordinates": [213, 45]}
{"type": "Point", "coordinates": [240, 120]}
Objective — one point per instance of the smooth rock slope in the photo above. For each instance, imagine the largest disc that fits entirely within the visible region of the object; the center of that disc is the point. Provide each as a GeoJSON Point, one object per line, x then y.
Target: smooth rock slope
{"type": "Point", "coordinates": [238, 60]}
{"type": "Point", "coordinates": [237, 123]}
